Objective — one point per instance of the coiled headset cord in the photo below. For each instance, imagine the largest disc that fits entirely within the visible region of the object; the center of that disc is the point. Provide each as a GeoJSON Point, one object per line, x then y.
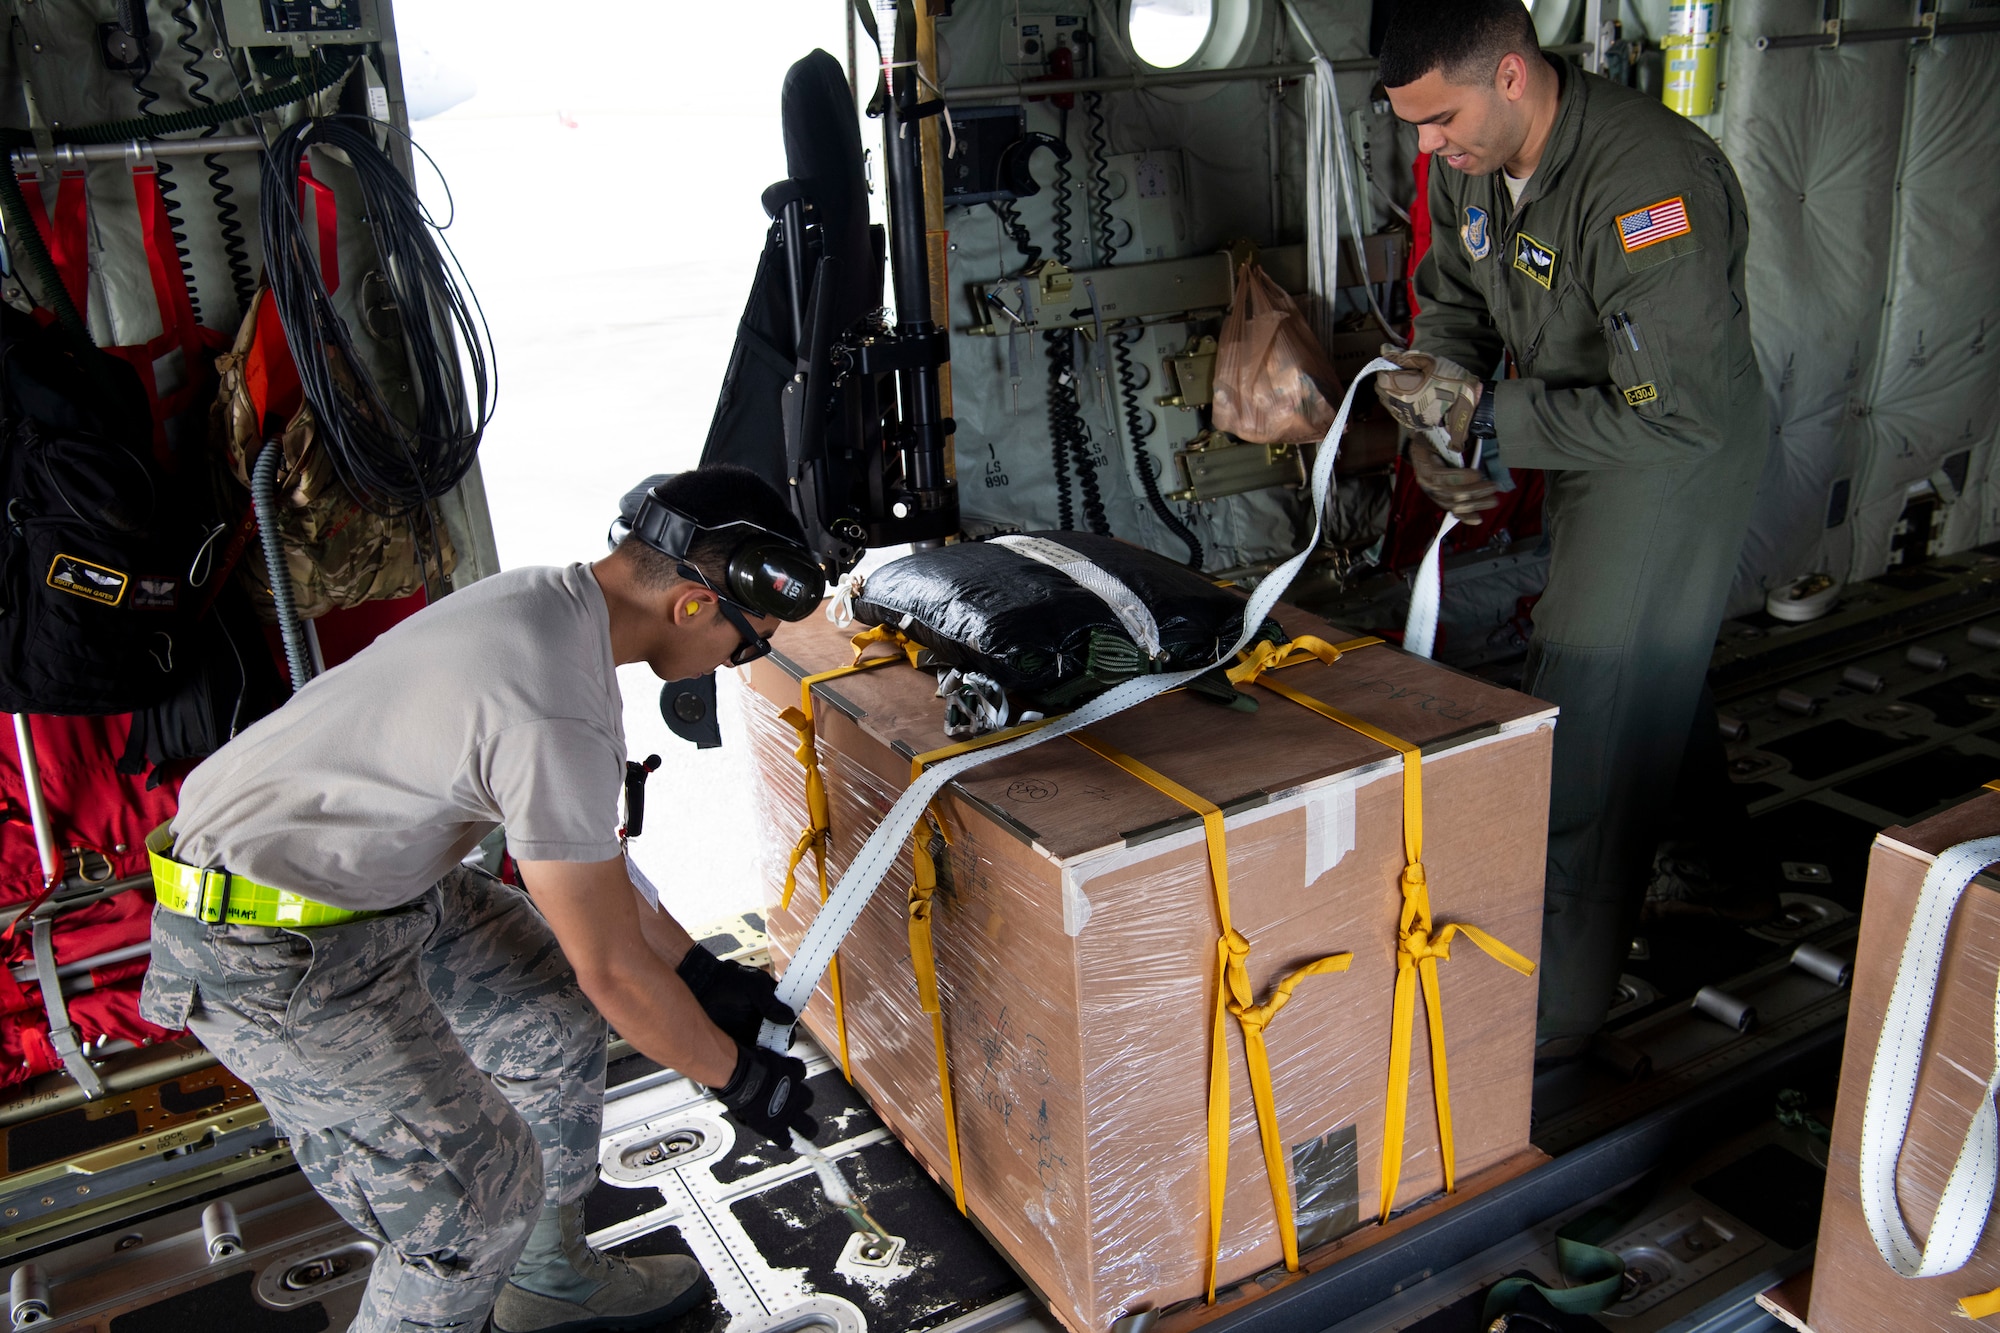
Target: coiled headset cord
{"type": "Point", "coordinates": [1137, 427]}
{"type": "Point", "coordinates": [1069, 438]}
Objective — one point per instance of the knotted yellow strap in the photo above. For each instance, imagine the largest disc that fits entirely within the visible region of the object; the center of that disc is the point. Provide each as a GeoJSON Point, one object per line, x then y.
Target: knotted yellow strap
{"type": "Point", "coordinates": [819, 830]}
{"type": "Point", "coordinates": [1232, 995]}
{"type": "Point", "coordinates": [1420, 945]}
{"type": "Point", "coordinates": [868, 638]}
{"type": "Point", "coordinates": [1261, 657]}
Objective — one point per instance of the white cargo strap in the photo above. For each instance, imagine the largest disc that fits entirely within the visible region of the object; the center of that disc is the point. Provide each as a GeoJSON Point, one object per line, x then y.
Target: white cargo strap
{"type": "Point", "coordinates": [1133, 614]}
{"type": "Point", "coordinates": [62, 1035]}
{"type": "Point", "coordinates": [1427, 593]}
{"type": "Point", "coordinates": [839, 913]}
{"type": "Point", "coordinates": [1892, 1089]}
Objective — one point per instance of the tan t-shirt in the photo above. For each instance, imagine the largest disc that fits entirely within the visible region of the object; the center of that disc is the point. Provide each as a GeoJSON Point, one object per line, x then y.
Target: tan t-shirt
{"type": "Point", "coordinates": [498, 705]}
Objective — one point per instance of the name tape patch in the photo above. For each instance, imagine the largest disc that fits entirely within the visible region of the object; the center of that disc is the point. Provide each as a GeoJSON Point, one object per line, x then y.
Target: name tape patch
{"type": "Point", "coordinates": [1536, 260]}
{"type": "Point", "coordinates": [1641, 393]}
{"type": "Point", "coordinates": [93, 582]}
{"type": "Point", "coordinates": [1653, 223]}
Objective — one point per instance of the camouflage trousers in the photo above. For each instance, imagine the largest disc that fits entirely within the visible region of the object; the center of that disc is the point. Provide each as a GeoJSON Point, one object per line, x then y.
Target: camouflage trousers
{"type": "Point", "coordinates": [437, 1068]}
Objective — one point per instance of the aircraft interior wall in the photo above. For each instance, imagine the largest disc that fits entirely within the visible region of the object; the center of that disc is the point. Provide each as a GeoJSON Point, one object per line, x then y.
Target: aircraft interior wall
{"type": "Point", "coordinates": [1872, 277]}
{"type": "Point", "coordinates": [1873, 285]}
{"type": "Point", "coordinates": [1193, 170]}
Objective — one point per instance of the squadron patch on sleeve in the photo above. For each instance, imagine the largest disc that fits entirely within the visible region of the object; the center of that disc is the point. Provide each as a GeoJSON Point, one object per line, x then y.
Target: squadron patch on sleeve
{"type": "Point", "coordinates": [1477, 233]}
{"type": "Point", "coordinates": [1536, 260]}
{"type": "Point", "coordinates": [1653, 223]}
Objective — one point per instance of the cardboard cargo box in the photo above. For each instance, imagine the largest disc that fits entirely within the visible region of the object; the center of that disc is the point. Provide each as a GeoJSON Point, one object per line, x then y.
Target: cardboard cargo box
{"type": "Point", "coordinates": [1854, 1288]}
{"type": "Point", "coordinates": [1075, 932]}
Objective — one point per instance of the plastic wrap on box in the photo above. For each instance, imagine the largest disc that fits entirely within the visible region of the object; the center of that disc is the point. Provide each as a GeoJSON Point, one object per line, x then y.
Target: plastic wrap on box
{"type": "Point", "coordinates": [1854, 1289]}
{"type": "Point", "coordinates": [1075, 935]}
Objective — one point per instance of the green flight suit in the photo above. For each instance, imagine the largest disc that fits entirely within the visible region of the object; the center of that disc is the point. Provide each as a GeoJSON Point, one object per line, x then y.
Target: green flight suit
{"type": "Point", "coordinates": [1616, 286]}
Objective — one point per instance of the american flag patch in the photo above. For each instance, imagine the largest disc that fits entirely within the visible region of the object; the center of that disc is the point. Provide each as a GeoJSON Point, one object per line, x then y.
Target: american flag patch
{"type": "Point", "coordinates": [1653, 223]}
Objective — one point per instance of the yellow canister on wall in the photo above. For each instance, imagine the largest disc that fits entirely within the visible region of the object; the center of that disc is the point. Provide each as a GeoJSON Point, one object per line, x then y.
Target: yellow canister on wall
{"type": "Point", "coordinates": [1692, 45]}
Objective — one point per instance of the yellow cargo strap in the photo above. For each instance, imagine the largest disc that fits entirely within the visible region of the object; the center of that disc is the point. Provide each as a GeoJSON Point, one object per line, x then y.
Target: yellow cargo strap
{"type": "Point", "coordinates": [216, 896]}
{"type": "Point", "coordinates": [1420, 945]}
{"type": "Point", "coordinates": [923, 959]}
{"type": "Point", "coordinates": [1232, 995]}
{"type": "Point", "coordinates": [819, 830]}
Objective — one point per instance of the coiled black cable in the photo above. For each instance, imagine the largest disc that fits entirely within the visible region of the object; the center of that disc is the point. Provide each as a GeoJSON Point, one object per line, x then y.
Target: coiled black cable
{"type": "Point", "coordinates": [1059, 205]}
{"type": "Point", "coordinates": [235, 250]}
{"type": "Point", "coordinates": [1100, 193]}
{"type": "Point", "coordinates": [1137, 428]}
{"type": "Point", "coordinates": [395, 468]}
{"type": "Point", "coordinates": [1017, 231]}
{"type": "Point", "coordinates": [1059, 440]}
{"type": "Point", "coordinates": [169, 196]}
{"type": "Point", "coordinates": [1069, 438]}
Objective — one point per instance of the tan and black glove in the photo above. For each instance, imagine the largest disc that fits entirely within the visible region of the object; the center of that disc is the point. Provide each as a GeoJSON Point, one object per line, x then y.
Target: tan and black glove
{"type": "Point", "coordinates": [1429, 393]}
{"type": "Point", "coordinates": [1462, 490]}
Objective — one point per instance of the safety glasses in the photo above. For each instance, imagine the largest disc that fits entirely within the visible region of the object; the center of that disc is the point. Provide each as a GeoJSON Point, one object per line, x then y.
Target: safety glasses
{"type": "Point", "coordinates": [754, 645]}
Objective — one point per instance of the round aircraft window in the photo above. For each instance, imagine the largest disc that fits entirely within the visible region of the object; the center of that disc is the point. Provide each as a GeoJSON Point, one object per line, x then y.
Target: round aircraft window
{"type": "Point", "coordinates": [1166, 34]}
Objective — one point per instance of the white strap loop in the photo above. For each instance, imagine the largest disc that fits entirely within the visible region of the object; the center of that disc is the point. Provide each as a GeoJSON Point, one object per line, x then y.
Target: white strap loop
{"type": "Point", "coordinates": [840, 607]}
{"type": "Point", "coordinates": [1892, 1089]}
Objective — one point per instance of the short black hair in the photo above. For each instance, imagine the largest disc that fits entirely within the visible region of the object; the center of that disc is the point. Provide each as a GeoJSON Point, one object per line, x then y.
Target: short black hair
{"type": "Point", "coordinates": [712, 495]}
{"type": "Point", "coordinates": [1462, 39]}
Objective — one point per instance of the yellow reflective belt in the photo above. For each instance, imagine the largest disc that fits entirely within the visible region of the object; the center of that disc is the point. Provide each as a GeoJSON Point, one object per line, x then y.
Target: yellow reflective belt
{"type": "Point", "coordinates": [1232, 995]}
{"type": "Point", "coordinates": [819, 831]}
{"type": "Point", "coordinates": [217, 897]}
{"type": "Point", "coordinates": [923, 960]}
{"type": "Point", "coordinates": [1419, 944]}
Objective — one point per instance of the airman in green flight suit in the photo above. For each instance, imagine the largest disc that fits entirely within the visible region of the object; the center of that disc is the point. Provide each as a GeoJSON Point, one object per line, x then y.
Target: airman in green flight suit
{"type": "Point", "coordinates": [1582, 311]}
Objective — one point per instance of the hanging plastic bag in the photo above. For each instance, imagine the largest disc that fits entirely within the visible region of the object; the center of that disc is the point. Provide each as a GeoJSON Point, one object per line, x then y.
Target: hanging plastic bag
{"type": "Point", "coordinates": [1273, 382]}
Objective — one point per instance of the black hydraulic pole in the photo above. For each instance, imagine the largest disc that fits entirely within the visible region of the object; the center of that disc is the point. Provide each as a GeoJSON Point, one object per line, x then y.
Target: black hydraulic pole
{"type": "Point", "coordinates": [909, 261]}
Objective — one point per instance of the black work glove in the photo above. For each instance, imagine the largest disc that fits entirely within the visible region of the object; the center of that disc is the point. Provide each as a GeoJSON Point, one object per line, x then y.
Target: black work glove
{"type": "Point", "coordinates": [736, 998]}
{"type": "Point", "coordinates": [1464, 491]}
{"type": "Point", "coordinates": [768, 1093]}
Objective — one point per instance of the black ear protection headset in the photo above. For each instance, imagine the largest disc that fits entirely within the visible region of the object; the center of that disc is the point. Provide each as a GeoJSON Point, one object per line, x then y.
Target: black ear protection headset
{"type": "Point", "coordinates": [767, 573]}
